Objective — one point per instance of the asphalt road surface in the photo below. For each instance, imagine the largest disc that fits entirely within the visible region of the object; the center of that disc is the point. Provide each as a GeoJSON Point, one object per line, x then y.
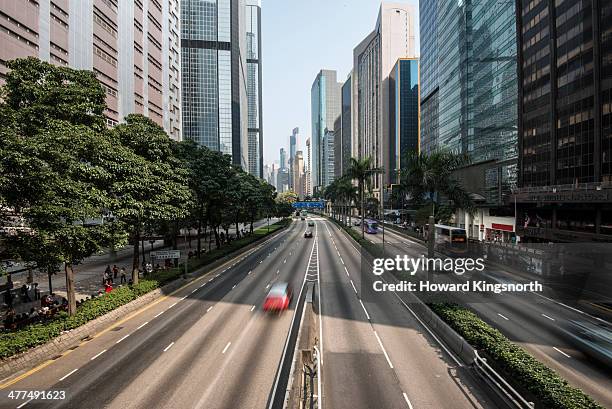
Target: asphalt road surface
{"type": "Point", "coordinates": [533, 321]}
{"type": "Point", "coordinates": [209, 345]}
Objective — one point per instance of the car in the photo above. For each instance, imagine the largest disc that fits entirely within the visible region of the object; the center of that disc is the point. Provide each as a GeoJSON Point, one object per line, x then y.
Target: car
{"type": "Point", "coordinates": [310, 223]}
{"type": "Point", "coordinates": [302, 218]}
{"type": "Point", "coordinates": [278, 298]}
{"type": "Point", "coordinates": [357, 222]}
{"type": "Point", "coordinates": [592, 338]}
{"type": "Point", "coordinates": [308, 234]}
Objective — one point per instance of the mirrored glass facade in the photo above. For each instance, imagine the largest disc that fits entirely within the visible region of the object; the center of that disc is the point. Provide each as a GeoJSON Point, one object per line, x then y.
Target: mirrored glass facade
{"type": "Point", "coordinates": [213, 90]}
{"type": "Point", "coordinates": [254, 87]}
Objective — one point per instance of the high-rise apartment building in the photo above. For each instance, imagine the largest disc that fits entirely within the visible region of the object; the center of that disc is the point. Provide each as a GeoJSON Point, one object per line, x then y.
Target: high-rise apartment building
{"type": "Point", "coordinates": [403, 114]}
{"type": "Point", "coordinates": [343, 141]}
{"type": "Point", "coordinates": [254, 87]}
{"type": "Point", "coordinates": [307, 172]}
{"type": "Point", "coordinates": [565, 120]}
{"type": "Point", "coordinates": [325, 108]}
{"type": "Point", "coordinates": [373, 60]}
{"type": "Point", "coordinates": [214, 83]}
{"type": "Point", "coordinates": [133, 47]}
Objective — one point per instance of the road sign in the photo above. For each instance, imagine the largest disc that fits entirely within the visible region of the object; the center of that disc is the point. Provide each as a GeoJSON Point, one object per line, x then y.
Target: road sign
{"type": "Point", "coordinates": [309, 205]}
{"type": "Point", "coordinates": [166, 254]}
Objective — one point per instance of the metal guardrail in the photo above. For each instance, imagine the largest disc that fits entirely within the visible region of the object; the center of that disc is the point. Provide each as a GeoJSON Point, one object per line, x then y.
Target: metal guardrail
{"type": "Point", "coordinates": [496, 381]}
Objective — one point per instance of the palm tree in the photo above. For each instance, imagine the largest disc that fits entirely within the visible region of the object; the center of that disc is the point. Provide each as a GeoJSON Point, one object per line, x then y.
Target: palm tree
{"type": "Point", "coordinates": [429, 176]}
{"type": "Point", "coordinates": [348, 194]}
{"type": "Point", "coordinates": [362, 171]}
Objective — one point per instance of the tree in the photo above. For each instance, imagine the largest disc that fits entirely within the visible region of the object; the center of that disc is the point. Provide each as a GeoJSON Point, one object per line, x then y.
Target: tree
{"type": "Point", "coordinates": [154, 186]}
{"type": "Point", "coordinates": [55, 164]}
{"type": "Point", "coordinates": [430, 176]}
{"type": "Point", "coordinates": [362, 171]}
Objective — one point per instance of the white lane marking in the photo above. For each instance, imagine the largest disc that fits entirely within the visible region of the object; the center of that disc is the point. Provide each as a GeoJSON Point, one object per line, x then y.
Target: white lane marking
{"type": "Point", "coordinates": [561, 352]}
{"type": "Point", "coordinates": [97, 355]}
{"type": "Point", "coordinates": [68, 374]}
{"type": "Point", "coordinates": [158, 314]}
{"type": "Point", "coordinates": [364, 310]}
{"type": "Point", "coordinates": [260, 261]}
{"type": "Point", "coordinates": [194, 290]}
{"type": "Point", "coordinates": [143, 324]}
{"type": "Point", "coordinates": [337, 252]}
{"type": "Point", "coordinates": [355, 289]}
{"type": "Point", "coordinates": [123, 338]}
{"type": "Point", "coordinates": [383, 349]}
{"type": "Point", "coordinates": [284, 261]}
{"type": "Point", "coordinates": [277, 271]}
{"type": "Point", "coordinates": [182, 298]}
{"type": "Point", "coordinates": [252, 308]}
{"type": "Point", "coordinates": [347, 273]}
{"type": "Point", "coordinates": [172, 305]}
{"type": "Point", "coordinates": [407, 400]}
{"type": "Point", "coordinates": [227, 346]}
{"type": "Point", "coordinates": [249, 273]}
{"type": "Point", "coordinates": [234, 286]}
{"type": "Point", "coordinates": [342, 260]}
{"type": "Point", "coordinates": [506, 318]}
{"type": "Point", "coordinates": [572, 308]}
{"type": "Point", "coordinates": [546, 316]}
{"type": "Point", "coordinates": [209, 308]}
{"type": "Point", "coordinates": [268, 286]}
{"type": "Point", "coordinates": [25, 403]}
{"type": "Point", "coordinates": [169, 346]}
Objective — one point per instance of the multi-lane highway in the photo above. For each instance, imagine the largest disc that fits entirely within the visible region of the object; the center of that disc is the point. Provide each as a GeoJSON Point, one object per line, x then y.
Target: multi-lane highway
{"type": "Point", "coordinates": [209, 345]}
{"type": "Point", "coordinates": [533, 321]}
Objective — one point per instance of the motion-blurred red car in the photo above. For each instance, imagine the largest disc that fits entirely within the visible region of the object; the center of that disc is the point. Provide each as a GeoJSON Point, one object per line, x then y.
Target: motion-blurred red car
{"type": "Point", "coordinates": [279, 298]}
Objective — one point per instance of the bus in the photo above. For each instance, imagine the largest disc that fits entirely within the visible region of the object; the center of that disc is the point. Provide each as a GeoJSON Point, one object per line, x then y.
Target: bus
{"type": "Point", "coordinates": [370, 226]}
{"type": "Point", "coordinates": [452, 238]}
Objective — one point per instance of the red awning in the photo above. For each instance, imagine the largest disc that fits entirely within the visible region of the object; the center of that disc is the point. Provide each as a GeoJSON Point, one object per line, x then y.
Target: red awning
{"type": "Point", "coordinates": [504, 227]}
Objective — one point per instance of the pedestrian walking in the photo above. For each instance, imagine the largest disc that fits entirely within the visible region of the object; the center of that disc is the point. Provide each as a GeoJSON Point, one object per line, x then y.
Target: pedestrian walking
{"type": "Point", "coordinates": [123, 277]}
{"type": "Point", "coordinates": [25, 296]}
{"type": "Point", "coordinates": [115, 271]}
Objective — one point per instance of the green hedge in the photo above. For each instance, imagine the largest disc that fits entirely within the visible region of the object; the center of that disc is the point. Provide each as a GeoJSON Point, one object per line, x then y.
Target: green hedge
{"type": "Point", "coordinates": [14, 342]}
{"type": "Point", "coordinates": [371, 248]}
{"type": "Point", "coordinates": [520, 368]}
{"type": "Point", "coordinates": [21, 340]}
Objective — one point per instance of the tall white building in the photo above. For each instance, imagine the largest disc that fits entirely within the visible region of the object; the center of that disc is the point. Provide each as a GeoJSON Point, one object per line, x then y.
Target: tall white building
{"type": "Point", "coordinates": [373, 60]}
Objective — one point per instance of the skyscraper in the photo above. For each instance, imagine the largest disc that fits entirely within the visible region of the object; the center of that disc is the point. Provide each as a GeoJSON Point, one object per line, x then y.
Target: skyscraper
{"type": "Point", "coordinates": [214, 90]}
{"type": "Point", "coordinates": [283, 158]}
{"type": "Point", "coordinates": [565, 120]}
{"type": "Point", "coordinates": [347, 140]}
{"type": "Point", "coordinates": [254, 86]}
{"type": "Point", "coordinates": [307, 171]}
{"type": "Point", "coordinates": [133, 47]}
{"type": "Point", "coordinates": [292, 147]}
{"type": "Point", "coordinates": [298, 174]}
{"type": "Point", "coordinates": [403, 114]}
{"type": "Point", "coordinates": [325, 108]}
{"type": "Point", "coordinates": [373, 59]}
{"type": "Point", "coordinates": [327, 158]}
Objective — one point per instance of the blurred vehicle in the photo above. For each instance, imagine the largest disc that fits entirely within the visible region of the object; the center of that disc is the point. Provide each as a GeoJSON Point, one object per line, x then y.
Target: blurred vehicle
{"type": "Point", "coordinates": [594, 339]}
{"type": "Point", "coordinates": [357, 222]}
{"type": "Point", "coordinates": [308, 234]}
{"type": "Point", "coordinates": [302, 218]}
{"type": "Point", "coordinates": [452, 238]}
{"type": "Point", "coordinates": [371, 226]}
{"type": "Point", "coordinates": [310, 223]}
{"type": "Point", "coordinates": [279, 298]}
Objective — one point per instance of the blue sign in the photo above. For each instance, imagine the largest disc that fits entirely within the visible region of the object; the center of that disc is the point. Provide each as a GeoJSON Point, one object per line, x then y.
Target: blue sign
{"type": "Point", "coordinates": [309, 205]}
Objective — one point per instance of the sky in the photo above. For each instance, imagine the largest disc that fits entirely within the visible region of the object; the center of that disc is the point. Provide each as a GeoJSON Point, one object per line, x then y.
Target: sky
{"type": "Point", "coordinates": [299, 38]}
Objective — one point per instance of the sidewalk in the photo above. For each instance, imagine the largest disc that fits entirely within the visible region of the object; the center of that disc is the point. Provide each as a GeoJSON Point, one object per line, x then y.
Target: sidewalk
{"type": "Point", "coordinates": [88, 275]}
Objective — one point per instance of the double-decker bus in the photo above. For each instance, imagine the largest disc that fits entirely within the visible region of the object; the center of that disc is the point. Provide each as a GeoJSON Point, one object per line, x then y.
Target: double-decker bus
{"type": "Point", "coordinates": [370, 226]}
{"type": "Point", "coordinates": [452, 238]}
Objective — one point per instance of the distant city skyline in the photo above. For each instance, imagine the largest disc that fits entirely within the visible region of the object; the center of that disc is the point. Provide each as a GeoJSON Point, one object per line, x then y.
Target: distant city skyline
{"type": "Point", "coordinates": [287, 85]}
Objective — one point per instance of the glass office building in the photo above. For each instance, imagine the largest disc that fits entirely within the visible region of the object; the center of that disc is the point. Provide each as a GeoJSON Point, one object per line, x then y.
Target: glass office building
{"type": "Point", "coordinates": [214, 91]}
{"type": "Point", "coordinates": [325, 108]}
{"type": "Point", "coordinates": [403, 113]}
{"type": "Point", "coordinates": [254, 86]}
{"type": "Point", "coordinates": [469, 87]}
{"type": "Point", "coordinates": [565, 123]}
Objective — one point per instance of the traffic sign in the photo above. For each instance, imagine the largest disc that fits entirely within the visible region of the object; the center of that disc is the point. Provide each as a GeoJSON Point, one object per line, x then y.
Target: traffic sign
{"type": "Point", "coordinates": [166, 254]}
{"type": "Point", "coordinates": [309, 205]}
